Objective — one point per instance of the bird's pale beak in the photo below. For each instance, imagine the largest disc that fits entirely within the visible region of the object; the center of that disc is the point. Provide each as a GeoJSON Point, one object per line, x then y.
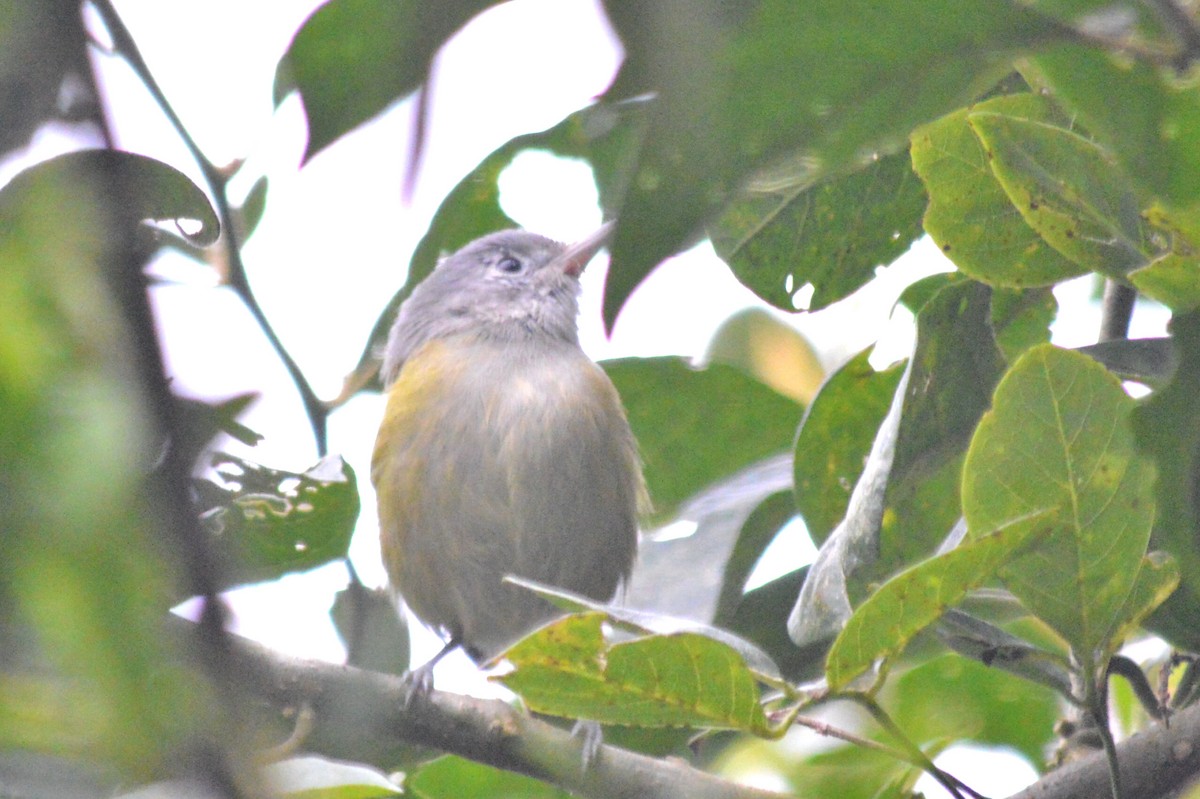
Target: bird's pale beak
{"type": "Point", "coordinates": [573, 259]}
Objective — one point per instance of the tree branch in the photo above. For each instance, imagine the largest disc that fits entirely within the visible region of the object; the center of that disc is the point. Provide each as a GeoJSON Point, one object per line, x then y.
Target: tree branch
{"type": "Point", "coordinates": [361, 714]}
{"type": "Point", "coordinates": [1154, 763]}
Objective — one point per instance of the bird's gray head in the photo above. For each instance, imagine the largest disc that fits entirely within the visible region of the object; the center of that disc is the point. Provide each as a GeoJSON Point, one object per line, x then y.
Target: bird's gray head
{"type": "Point", "coordinates": [508, 286]}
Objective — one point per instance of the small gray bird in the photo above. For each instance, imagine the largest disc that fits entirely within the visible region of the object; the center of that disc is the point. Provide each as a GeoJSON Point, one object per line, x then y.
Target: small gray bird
{"type": "Point", "coordinates": [504, 449]}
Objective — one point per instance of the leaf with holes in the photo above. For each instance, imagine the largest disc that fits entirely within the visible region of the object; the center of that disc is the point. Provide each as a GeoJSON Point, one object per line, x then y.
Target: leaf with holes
{"type": "Point", "coordinates": [270, 523]}
{"type": "Point", "coordinates": [832, 235]}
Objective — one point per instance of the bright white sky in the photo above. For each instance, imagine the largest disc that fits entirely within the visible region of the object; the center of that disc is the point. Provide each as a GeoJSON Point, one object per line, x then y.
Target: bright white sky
{"type": "Point", "coordinates": [336, 238]}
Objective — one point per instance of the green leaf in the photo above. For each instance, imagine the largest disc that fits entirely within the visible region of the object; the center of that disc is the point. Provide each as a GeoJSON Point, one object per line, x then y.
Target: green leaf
{"type": "Point", "coordinates": [1067, 189]}
{"type": "Point", "coordinates": [142, 189]}
{"type": "Point", "coordinates": [271, 522]}
{"type": "Point", "coordinates": [1167, 426]}
{"type": "Point", "coordinates": [1151, 121]}
{"type": "Point", "coordinates": [743, 87]}
{"type": "Point", "coordinates": [310, 777]}
{"type": "Point", "coordinates": [761, 618]}
{"type": "Point", "coordinates": [1058, 436]}
{"type": "Point", "coordinates": [641, 622]}
{"type": "Point", "coordinates": [783, 234]}
{"type": "Point", "coordinates": [90, 673]}
{"type": "Point", "coordinates": [883, 625]}
{"type": "Point", "coordinates": [757, 533]}
{"type": "Point", "coordinates": [970, 216]}
{"type": "Point", "coordinates": [353, 58]}
{"type": "Point", "coordinates": [1157, 579]}
{"type": "Point", "coordinates": [567, 669]}
{"type": "Point", "coordinates": [954, 698]}
{"type": "Point", "coordinates": [1021, 318]}
{"type": "Point", "coordinates": [687, 438]}
{"type": "Point", "coordinates": [916, 295]}
{"type": "Point", "coordinates": [453, 777]}
{"type": "Point", "coordinates": [1172, 279]}
{"type": "Point", "coordinates": [835, 438]}
{"type": "Point", "coordinates": [951, 374]}
{"type": "Point", "coordinates": [251, 211]}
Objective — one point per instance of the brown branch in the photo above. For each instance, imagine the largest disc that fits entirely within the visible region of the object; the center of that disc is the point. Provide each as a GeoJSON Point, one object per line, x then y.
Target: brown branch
{"type": "Point", "coordinates": [361, 714]}
{"type": "Point", "coordinates": [1154, 763]}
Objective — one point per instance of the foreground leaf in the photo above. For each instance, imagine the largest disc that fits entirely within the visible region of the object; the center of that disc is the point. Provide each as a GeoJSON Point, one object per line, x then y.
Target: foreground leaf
{"type": "Point", "coordinates": [1058, 436]}
{"type": "Point", "coordinates": [640, 622]}
{"type": "Point", "coordinates": [683, 680]}
{"type": "Point", "coordinates": [90, 559]}
{"type": "Point", "coordinates": [909, 602]}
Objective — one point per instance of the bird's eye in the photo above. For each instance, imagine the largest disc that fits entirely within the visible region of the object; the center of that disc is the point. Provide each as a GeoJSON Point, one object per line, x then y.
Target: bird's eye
{"type": "Point", "coordinates": [509, 265]}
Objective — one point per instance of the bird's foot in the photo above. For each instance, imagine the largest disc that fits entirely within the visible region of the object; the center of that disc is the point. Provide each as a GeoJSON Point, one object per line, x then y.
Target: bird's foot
{"type": "Point", "coordinates": [591, 737]}
{"type": "Point", "coordinates": [418, 684]}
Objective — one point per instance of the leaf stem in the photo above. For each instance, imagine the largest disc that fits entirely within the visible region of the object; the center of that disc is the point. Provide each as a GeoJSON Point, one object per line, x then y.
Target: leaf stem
{"type": "Point", "coordinates": [1117, 310]}
{"type": "Point", "coordinates": [1096, 707]}
{"type": "Point", "coordinates": [217, 181]}
{"type": "Point", "coordinates": [911, 753]}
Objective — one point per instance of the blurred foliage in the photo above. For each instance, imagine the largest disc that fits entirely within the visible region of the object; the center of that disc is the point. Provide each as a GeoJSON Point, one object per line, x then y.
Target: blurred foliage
{"type": "Point", "coordinates": [812, 143]}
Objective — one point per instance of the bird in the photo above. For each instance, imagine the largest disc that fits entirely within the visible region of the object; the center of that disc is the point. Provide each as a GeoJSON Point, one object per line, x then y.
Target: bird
{"type": "Point", "coordinates": [503, 449]}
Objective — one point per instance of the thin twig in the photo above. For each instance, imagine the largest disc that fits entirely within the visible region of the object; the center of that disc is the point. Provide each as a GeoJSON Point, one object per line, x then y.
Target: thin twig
{"type": "Point", "coordinates": [911, 752]}
{"type": "Point", "coordinates": [124, 44]}
{"type": "Point", "coordinates": [1096, 697]}
{"type": "Point", "coordinates": [829, 731]}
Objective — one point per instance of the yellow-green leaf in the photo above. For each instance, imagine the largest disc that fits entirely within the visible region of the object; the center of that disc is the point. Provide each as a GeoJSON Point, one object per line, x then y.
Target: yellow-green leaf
{"type": "Point", "coordinates": [883, 625]}
{"type": "Point", "coordinates": [1058, 436]}
{"type": "Point", "coordinates": [682, 680]}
